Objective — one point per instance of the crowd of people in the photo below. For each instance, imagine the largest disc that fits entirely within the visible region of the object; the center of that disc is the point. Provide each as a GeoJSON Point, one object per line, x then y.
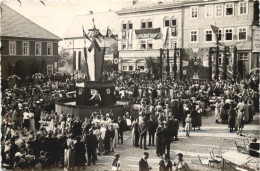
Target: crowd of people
{"type": "Point", "coordinates": [35, 136]}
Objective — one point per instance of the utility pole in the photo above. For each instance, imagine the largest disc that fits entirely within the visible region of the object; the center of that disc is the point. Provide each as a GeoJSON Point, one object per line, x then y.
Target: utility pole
{"type": "Point", "coordinates": [168, 65]}
{"type": "Point", "coordinates": [161, 64]}
{"type": "Point", "coordinates": [217, 54]}
{"type": "Point", "coordinates": [210, 63]}
{"type": "Point", "coordinates": [180, 55]}
{"type": "Point", "coordinates": [224, 63]}
{"type": "Point", "coordinates": [175, 63]}
{"type": "Point", "coordinates": [235, 63]}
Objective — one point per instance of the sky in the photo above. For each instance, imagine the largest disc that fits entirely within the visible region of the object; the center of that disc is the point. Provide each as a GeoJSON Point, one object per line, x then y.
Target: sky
{"type": "Point", "coordinates": [56, 15]}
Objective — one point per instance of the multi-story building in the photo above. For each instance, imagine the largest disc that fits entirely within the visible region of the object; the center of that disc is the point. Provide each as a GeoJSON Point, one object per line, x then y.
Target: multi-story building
{"type": "Point", "coordinates": [146, 29]}
{"type": "Point", "coordinates": [75, 41]}
{"type": "Point", "coordinates": [235, 21]}
{"type": "Point", "coordinates": [22, 41]}
{"type": "Point", "coordinates": [189, 23]}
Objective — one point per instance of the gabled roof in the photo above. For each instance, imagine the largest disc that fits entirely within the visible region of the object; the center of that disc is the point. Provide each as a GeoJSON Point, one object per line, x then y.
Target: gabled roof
{"type": "Point", "coordinates": [14, 24]}
{"type": "Point", "coordinates": [102, 20]}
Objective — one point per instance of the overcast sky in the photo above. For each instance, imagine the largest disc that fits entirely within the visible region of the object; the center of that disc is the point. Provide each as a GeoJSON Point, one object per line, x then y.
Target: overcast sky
{"type": "Point", "coordinates": [56, 15]}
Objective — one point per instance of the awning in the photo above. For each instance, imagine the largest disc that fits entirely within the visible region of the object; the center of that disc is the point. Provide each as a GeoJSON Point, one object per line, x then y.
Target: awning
{"type": "Point", "coordinates": [148, 33]}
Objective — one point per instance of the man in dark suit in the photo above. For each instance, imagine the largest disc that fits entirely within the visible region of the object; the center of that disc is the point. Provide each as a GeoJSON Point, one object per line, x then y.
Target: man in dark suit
{"type": "Point", "coordinates": [143, 164]}
{"type": "Point", "coordinates": [91, 144]}
{"type": "Point", "coordinates": [143, 132]}
{"type": "Point", "coordinates": [152, 125]}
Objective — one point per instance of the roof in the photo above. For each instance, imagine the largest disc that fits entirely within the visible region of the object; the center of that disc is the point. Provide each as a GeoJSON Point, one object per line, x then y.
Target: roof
{"type": "Point", "coordinates": [147, 6]}
{"type": "Point", "coordinates": [14, 24]}
{"type": "Point", "coordinates": [102, 20]}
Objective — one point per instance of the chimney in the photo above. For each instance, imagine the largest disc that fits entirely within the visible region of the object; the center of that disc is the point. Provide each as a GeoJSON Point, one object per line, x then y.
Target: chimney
{"type": "Point", "coordinates": [90, 12]}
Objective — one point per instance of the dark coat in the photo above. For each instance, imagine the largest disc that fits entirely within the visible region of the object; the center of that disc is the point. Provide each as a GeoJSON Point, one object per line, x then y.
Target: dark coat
{"type": "Point", "coordinates": [91, 141]}
{"type": "Point", "coordinates": [80, 152]}
{"type": "Point", "coordinates": [107, 139]}
{"type": "Point", "coordinates": [142, 128]}
{"type": "Point", "coordinates": [143, 165]}
{"type": "Point", "coordinates": [152, 125]}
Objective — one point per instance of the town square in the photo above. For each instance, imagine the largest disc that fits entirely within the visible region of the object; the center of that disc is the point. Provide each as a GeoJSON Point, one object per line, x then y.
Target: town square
{"type": "Point", "coordinates": [130, 85]}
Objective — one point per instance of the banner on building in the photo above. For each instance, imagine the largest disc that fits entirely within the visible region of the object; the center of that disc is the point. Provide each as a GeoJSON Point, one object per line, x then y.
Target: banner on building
{"type": "Point", "coordinates": [116, 60]}
{"type": "Point", "coordinates": [76, 60]}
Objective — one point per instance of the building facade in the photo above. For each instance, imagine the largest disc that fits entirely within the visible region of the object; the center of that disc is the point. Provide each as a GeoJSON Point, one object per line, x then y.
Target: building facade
{"type": "Point", "coordinates": [190, 27]}
{"type": "Point", "coordinates": [25, 45]}
{"type": "Point", "coordinates": [235, 20]}
{"type": "Point", "coordinates": [146, 29]}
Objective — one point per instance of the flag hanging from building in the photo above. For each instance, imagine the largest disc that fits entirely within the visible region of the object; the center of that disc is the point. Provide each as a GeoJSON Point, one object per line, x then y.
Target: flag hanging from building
{"type": "Point", "coordinates": [94, 44]}
{"type": "Point", "coordinates": [115, 60]}
{"type": "Point", "coordinates": [76, 60]}
{"type": "Point", "coordinates": [214, 29]}
{"type": "Point", "coordinates": [166, 32]}
{"type": "Point", "coordinates": [110, 34]}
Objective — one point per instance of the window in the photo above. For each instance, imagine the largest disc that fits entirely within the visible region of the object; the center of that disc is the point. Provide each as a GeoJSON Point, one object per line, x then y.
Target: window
{"type": "Point", "coordinates": [25, 48]}
{"type": "Point", "coordinates": [38, 48]}
{"type": "Point", "coordinates": [194, 12]}
{"type": "Point", "coordinates": [12, 47]}
{"type": "Point", "coordinates": [141, 68]}
{"type": "Point", "coordinates": [193, 35]}
{"type": "Point", "coordinates": [123, 34]}
{"type": "Point", "coordinates": [124, 46]}
{"type": "Point", "coordinates": [242, 33]}
{"type": "Point", "coordinates": [209, 11]}
{"type": "Point", "coordinates": [166, 22]}
{"type": "Point", "coordinates": [49, 69]}
{"type": "Point", "coordinates": [49, 49]}
{"type": "Point", "coordinates": [174, 22]}
{"type": "Point", "coordinates": [174, 31]}
{"type": "Point", "coordinates": [228, 34]}
{"type": "Point", "coordinates": [219, 35]}
{"type": "Point", "coordinates": [130, 68]}
{"type": "Point", "coordinates": [208, 36]}
{"type": "Point", "coordinates": [243, 56]}
{"type": "Point", "coordinates": [219, 10]}
{"type": "Point", "coordinates": [143, 25]}
{"type": "Point", "coordinates": [229, 9]}
{"type": "Point", "coordinates": [124, 68]}
{"type": "Point", "coordinates": [130, 45]}
{"type": "Point", "coordinates": [123, 26]}
{"type": "Point", "coordinates": [143, 45]}
{"type": "Point", "coordinates": [150, 44]}
{"type": "Point", "coordinates": [130, 26]}
{"type": "Point", "coordinates": [150, 24]}
{"type": "Point", "coordinates": [242, 8]}
{"type": "Point", "coordinates": [174, 43]}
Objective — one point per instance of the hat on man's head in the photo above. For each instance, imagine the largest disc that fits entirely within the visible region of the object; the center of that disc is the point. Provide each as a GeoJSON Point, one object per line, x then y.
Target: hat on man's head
{"type": "Point", "coordinates": [180, 154]}
{"type": "Point", "coordinates": [146, 154]}
{"type": "Point", "coordinates": [117, 155]}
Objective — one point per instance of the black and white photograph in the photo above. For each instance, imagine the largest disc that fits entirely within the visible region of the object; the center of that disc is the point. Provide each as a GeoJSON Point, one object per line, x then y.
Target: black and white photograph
{"type": "Point", "coordinates": [130, 85]}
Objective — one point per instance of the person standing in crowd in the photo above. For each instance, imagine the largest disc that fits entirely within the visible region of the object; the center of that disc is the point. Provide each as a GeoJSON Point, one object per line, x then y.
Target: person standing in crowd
{"type": "Point", "coordinates": [26, 121]}
{"type": "Point", "coordinates": [232, 118]}
{"type": "Point", "coordinates": [69, 158]}
{"type": "Point", "coordinates": [159, 136]}
{"type": "Point", "coordinates": [143, 164]}
{"type": "Point", "coordinates": [77, 127]}
{"type": "Point", "coordinates": [217, 111]}
{"type": "Point", "coordinates": [122, 126]}
{"type": "Point", "coordinates": [143, 132]}
{"type": "Point", "coordinates": [135, 132]}
{"type": "Point", "coordinates": [166, 139]}
{"type": "Point", "coordinates": [188, 125]}
{"type": "Point", "coordinates": [80, 153]}
{"type": "Point", "coordinates": [152, 125]}
{"type": "Point", "coordinates": [175, 130]}
{"type": "Point", "coordinates": [180, 164]}
{"type": "Point", "coordinates": [107, 141]}
{"type": "Point", "coordinates": [112, 137]}
{"type": "Point", "coordinates": [165, 164]}
{"type": "Point", "coordinates": [116, 163]}
{"type": "Point", "coordinates": [91, 144]}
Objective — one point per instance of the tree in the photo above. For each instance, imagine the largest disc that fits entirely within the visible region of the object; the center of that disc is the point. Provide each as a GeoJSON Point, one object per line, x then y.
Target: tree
{"type": "Point", "coordinates": [64, 58]}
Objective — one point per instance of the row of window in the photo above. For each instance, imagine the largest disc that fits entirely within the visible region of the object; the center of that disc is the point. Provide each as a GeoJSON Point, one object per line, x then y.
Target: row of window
{"type": "Point", "coordinates": [131, 67]}
{"type": "Point", "coordinates": [167, 22]}
{"type": "Point", "coordinates": [227, 35]}
{"type": "Point", "coordinates": [148, 45]}
{"type": "Point", "coordinates": [26, 46]}
{"type": "Point", "coordinates": [220, 10]}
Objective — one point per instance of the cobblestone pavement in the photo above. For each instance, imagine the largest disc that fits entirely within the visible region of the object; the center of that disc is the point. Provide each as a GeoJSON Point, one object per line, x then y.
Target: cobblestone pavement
{"type": "Point", "coordinates": [212, 136]}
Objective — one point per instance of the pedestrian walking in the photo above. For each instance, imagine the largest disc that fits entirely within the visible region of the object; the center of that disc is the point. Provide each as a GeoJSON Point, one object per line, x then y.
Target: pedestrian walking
{"type": "Point", "coordinates": [143, 164]}
{"type": "Point", "coordinates": [116, 163]}
{"type": "Point", "coordinates": [188, 125]}
{"type": "Point", "coordinates": [165, 164]}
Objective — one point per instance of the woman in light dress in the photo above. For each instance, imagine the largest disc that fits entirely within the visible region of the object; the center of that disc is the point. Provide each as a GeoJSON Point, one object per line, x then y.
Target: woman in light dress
{"type": "Point", "coordinates": [217, 111]}
{"type": "Point", "coordinates": [188, 125]}
{"type": "Point", "coordinates": [32, 121]}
